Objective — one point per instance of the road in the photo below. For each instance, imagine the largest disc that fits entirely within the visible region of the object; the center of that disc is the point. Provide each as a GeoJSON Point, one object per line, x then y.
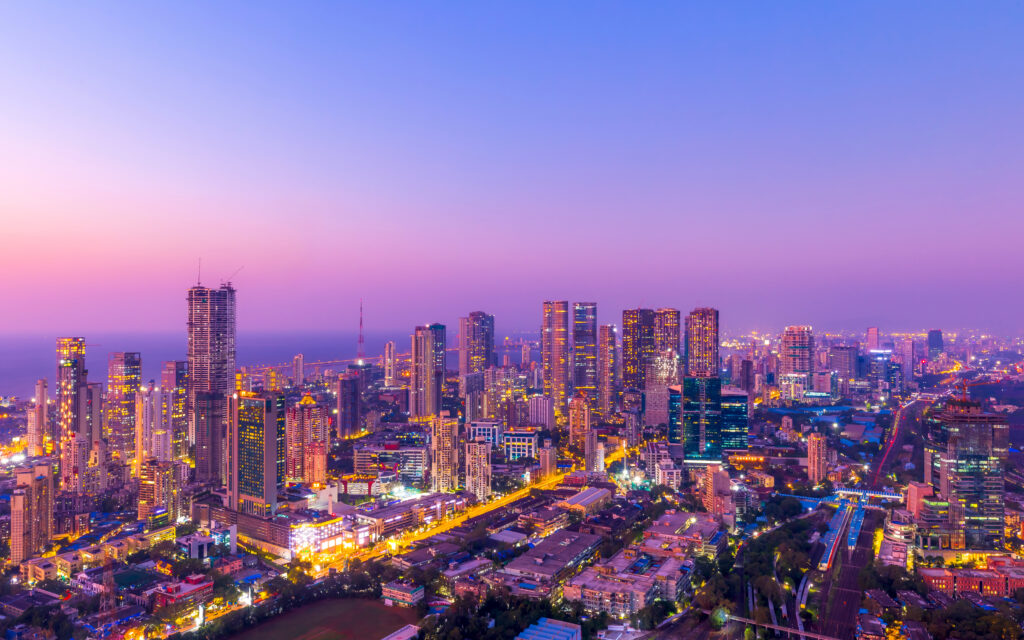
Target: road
{"type": "Point", "coordinates": [905, 413]}
{"type": "Point", "coordinates": [394, 544]}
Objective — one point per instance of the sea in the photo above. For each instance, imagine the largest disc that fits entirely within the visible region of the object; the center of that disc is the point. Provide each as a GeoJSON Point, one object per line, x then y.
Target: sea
{"type": "Point", "coordinates": [27, 357]}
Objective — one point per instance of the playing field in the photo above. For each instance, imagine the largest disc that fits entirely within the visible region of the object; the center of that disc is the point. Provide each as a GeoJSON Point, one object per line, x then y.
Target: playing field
{"type": "Point", "coordinates": [348, 619]}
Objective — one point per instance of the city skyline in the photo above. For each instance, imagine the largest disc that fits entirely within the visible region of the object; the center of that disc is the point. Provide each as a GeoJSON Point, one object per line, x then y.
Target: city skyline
{"type": "Point", "coordinates": [518, 320]}
{"type": "Point", "coordinates": [749, 128]}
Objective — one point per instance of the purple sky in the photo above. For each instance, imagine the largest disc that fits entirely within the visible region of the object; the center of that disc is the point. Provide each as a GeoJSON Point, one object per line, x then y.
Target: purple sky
{"type": "Point", "coordinates": [804, 163]}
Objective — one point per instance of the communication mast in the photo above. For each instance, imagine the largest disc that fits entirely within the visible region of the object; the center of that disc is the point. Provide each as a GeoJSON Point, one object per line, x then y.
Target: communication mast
{"type": "Point", "coordinates": [361, 351]}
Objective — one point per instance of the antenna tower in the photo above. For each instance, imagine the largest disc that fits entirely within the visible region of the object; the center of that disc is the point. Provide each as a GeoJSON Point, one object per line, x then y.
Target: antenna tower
{"type": "Point", "coordinates": [361, 351]}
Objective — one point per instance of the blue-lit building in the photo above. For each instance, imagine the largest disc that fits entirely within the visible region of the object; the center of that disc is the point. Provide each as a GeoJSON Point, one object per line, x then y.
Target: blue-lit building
{"type": "Point", "coordinates": [675, 414]}
{"type": "Point", "coordinates": [548, 629]}
{"type": "Point", "coordinates": [735, 419]}
{"type": "Point", "coordinates": [702, 419]}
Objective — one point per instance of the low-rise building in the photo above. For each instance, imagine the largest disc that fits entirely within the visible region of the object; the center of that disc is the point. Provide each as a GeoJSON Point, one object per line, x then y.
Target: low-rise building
{"type": "Point", "coordinates": [194, 589]}
{"type": "Point", "coordinates": [628, 582]}
{"type": "Point", "coordinates": [588, 501]}
{"type": "Point", "coordinates": [402, 593]}
{"type": "Point", "coordinates": [548, 629]}
{"type": "Point", "coordinates": [538, 572]}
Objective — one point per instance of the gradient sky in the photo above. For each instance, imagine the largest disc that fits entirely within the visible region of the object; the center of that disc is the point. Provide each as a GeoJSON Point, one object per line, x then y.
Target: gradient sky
{"type": "Point", "coordinates": [822, 163]}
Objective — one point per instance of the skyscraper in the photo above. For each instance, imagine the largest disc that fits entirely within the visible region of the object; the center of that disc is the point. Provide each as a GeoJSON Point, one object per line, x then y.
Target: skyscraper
{"type": "Point", "coordinates": [478, 469]}
{"type": "Point", "coordinates": [702, 419]}
{"type": "Point", "coordinates": [584, 349]}
{"type": "Point", "coordinates": [555, 353]}
{"type": "Point", "coordinates": [796, 356]}
{"type": "Point", "coordinates": [444, 453]}
{"type": "Point", "coordinates": [72, 422]}
{"type": "Point", "coordinates": [255, 452]}
{"type": "Point", "coordinates": [427, 380]}
{"type": "Point", "coordinates": [735, 419]}
{"type": "Point", "coordinates": [935, 345]}
{"type": "Point", "coordinates": [843, 360]}
{"type": "Point", "coordinates": [211, 374]}
{"type": "Point", "coordinates": [124, 377]}
{"type": "Point", "coordinates": [548, 458]}
{"type": "Point", "coordinates": [666, 330]}
{"type": "Point", "coordinates": [299, 370]}
{"type": "Point", "coordinates": [593, 453]}
{"type": "Point", "coordinates": [817, 458]}
{"type": "Point", "coordinates": [159, 488]}
{"type": "Point", "coordinates": [349, 394]}
{"type": "Point", "coordinates": [38, 428]}
{"type": "Point", "coordinates": [306, 422]}
{"type": "Point", "coordinates": [476, 342]}
{"type": "Point", "coordinates": [873, 341]}
{"type": "Point", "coordinates": [579, 421]}
{"type": "Point", "coordinates": [702, 343]}
{"type": "Point", "coordinates": [153, 427]}
{"type": "Point", "coordinates": [174, 384]}
{"type": "Point", "coordinates": [907, 353]}
{"type": "Point", "coordinates": [638, 346]}
{"type": "Point", "coordinates": [31, 511]}
{"type": "Point", "coordinates": [390, 364]}
{"type": "Point", "coordinates": [606, 362]}
{"type": "Point", "coordinates": [971, 474]}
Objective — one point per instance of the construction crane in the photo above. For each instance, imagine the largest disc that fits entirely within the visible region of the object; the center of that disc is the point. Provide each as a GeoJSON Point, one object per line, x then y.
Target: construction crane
{"type": "Point", "coordinates": [963, 386]}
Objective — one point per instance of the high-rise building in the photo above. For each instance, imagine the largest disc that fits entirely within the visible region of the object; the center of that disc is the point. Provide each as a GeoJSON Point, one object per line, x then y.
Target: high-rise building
{"type": "Point", "coordinates": [584, 350]}
{"type": "Point", "coordinates": [701, 410]}
{"type": "Point", "coordinates": [211, 374]}
{"type": "Point", "coordinates": [315, 464]}
{"type": "Point", "coordinates": [174, 384]}
{"type": "Point", "coordinates": [735, 419]}
{"type": "Point", "coordinates": [478, 469]}
{"type": "Point", "coordinates": [548, 458]}
{"type": "Point", "coordinates": [541, 411]}
{"type": "Point", "coordinates": [639, 347]}
{"type": "Point", "coordinates": [299, 370]}
{"type": "Point", "coordinates": [390, 365]}
{"type": "Point", "coordinates": [606, 366]}
{"type": "Point", "coordinates": [971, 474]}
{"type": "Point", "coordinates": [444, 453]}
{"type": "Point", "coordinates": [817, 458]}
{"type": "Point", "coordinates": [72, 422]}
{"type": "Point", "coordinates": [256, 461]}
{"type": "Point", "coordinates": [796, 356]}
{"type": "Point", "coordinates": [579, 421]}
{"type": "Point", "coordinates": [907, 354]}
{"type": "Point", "coordinates": [427, 381]}
{"type": "Point", "coordinates": [349, 394]}
{"type": "Point", "coordinates": [31, 512]}
{"type": "Point", "coordinates": [124, 377]}
{"type": "Point", "coordinates": [306, 422]}
{"type": "Point", "coordinates": [153, 427]}
{"type": "Point", "coordinates": [555, 353]}
{"type": "Point", "coordinates": [38, 429]}
{"type": "Point", "coordinates": [717, 494]}
{"type": "Point", "coordinates": [874, 340]}
{"type": "Point", "coordinates": [94, 411]}
{"type": "Point", "coordinates": [666, 330]}
{"type": "Point", "coordinates": [842, 359]}
{"type": "Point", "coordinates": [702, 343]}
{"type": "Point", "coordinates": [476, 342]}
{"type": "Point", "coordinates": [593, 453]}
{"type": "Point", "coordinates": [935, 346]}
{"type": "Point", "coordinates": [160, 488]}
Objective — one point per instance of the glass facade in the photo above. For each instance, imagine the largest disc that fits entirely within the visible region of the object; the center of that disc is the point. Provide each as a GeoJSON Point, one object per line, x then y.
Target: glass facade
{"type": "Point", "coordinates": [702, 419]}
